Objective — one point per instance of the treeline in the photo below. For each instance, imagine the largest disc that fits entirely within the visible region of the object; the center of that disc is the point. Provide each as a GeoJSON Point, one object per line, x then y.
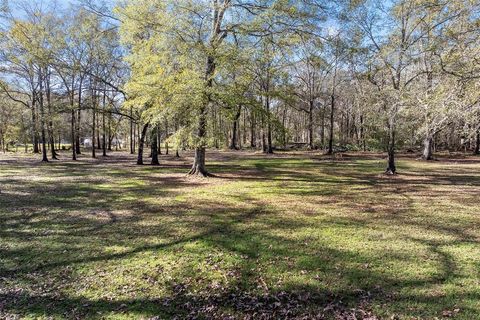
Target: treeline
{"type": "Point", "coordinates": [347, 75]}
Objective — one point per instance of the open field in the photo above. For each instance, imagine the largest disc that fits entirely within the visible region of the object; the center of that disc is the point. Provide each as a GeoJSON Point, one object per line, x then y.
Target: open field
{"type": "Point", "coordinates": [286, 236]}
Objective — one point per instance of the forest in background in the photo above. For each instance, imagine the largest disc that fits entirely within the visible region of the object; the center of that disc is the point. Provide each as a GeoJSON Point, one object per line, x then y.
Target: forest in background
{"type": "Point", "coordinates": [95, 76]}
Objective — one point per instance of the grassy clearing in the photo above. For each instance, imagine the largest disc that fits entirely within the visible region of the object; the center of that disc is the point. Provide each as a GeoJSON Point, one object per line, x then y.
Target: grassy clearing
{"type": "Point", "coordinates": [285, 236]}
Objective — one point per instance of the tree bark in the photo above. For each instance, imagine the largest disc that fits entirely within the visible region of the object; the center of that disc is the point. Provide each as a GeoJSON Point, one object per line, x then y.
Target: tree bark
{"type": "Point", "coordinates": [77, 135]}
{"type": "Point", "coordinates": [269, 128]}
{"type": "Point", "coordinates": [155, 161]}
{"type": "Point", "coordinates": [159, 139]}
{"type": "Point", "coordinates": [42, 118]}
{"type": "Point", "coordinates": [428, 148]}
{"type": "Point", "coordinates": [72, 124]}
{"type": "Point", "coordinates": [79, 117]}
{"type": "Point", "coordinates": [50, 116]}
{"type": "Point", "coordinates": [166, 138]}
{"type": "Point", "coordinates": [34, 126]}
{"type": "Point", "coordinates": [322, 130]}
{"type": "Point", "coordinates": [332, 114]}
{"type": "Point", "coordinates": [284, 124]}
{"type": "Point", "coordinates": [253, 142]}
{"type": "Point", "coordinates": [94, 114]}
{"type": "Point", "coordinates": [391, 168]}
{"type": "Point", "coordinates": [110, 135]}
{"type": "Point", "coordinates": [362, 134]}
{"type": "Point", "coordinates": [310, 125]}
{"type": "Point", "coordinates": [132, 140]}
{"type": "Point", "coordinates": [141, 142]}
{"type": "Point", "coordinates": [198, 167]}
{"type": "Point", "coordinates": [234, 141]}
{"type": "Point", "coordinates": [104, 129]}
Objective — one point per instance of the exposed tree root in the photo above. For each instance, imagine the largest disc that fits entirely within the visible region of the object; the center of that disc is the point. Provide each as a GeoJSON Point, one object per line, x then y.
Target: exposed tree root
{"type": "Point", "coordinates": [390, 172]}
{"type": "Point", "coordinates": [198, 172]}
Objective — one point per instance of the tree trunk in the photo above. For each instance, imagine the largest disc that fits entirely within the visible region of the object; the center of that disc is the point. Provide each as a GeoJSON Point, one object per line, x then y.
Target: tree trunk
{"type": "Point", "coordinates": [52, 141]}
{"type": "Point", "coordinates": [99, 144]}
{"type": "Point", "coordinates": [79, 115]}
{"type": "Point", "coordinates": [34, 127]}
{"type": "Point", "coordinates": [77, 135]}
{"type": "Point", "coordinates": [391, 168]}
{"type": "Point", "coordinates": [269, 127]}
{"type": "Point", "coordinates": [110, 136]}
{"type": "Point", "coordinates": [132, 146]}
{"type": "Point", "coordinates": [322, 129]}
{"type": "Point", "coordinates": [159, 139]}
{"type": "Point", "coordinates": [234, 142]}
{"type": "Point", "coordinates": [284, 124]}
{"type": "Point", "coordinates": [253, 142]}
{"type": "Point", "coordinates": [104, 129]}
{"type": "Point", "coordinates": [362, 134]}
{"type": "Point", "coordinates": [198, 167]}
{"type": "Point", "coordinates": [141, 142]}
{"type": "Point", "coordinates": [42, 120]}
{"type": "Point", "coordinates": [428, 148]}
{"type": "Point", "coordinates": [155, 161]}
{"type": "Point", "coordinates": [330, 137]}
{"type": "Point", "coordinates": [310, 125]}
{"type": "Point", "coordinates": [166, 137]}
{"type": "Point", "coordinates": [264, 141]}
{"type": "Point", "coordinates": [72, 124]}
{"type": "Point", "coordinates": [50, 117]}
{"type": "Point", "coordinates": [94, 115]}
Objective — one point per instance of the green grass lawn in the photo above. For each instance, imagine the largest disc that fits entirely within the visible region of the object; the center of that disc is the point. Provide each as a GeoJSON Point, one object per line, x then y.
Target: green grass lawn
{"type": "Point", "coordinates": [287, 236]}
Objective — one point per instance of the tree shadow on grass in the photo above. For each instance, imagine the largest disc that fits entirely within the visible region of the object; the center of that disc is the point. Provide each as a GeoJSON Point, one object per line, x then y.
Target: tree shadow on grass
{"type": "Point", "coordinates": [241, 258]}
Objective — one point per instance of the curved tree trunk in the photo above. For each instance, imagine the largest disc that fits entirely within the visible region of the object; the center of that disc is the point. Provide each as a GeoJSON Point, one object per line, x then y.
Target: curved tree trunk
{"type": "Point", "coordinates": [141, 142]}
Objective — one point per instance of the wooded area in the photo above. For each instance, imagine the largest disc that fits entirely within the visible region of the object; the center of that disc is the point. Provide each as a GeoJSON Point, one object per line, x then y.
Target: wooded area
{"type": "Point", "coordinates": [268, 74]}
{"type": "Point", "coordinates": [352, 121]}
